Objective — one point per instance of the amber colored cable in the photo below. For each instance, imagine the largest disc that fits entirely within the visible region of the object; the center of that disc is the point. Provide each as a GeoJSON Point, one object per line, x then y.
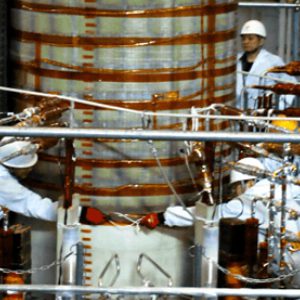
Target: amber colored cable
{"type": "Point", "coordinates": [102, 42]}
{"type": "Point", "coordinates": [179, 11]}
{"type": "Point", "coordinates": [120, 77]}
{"type": "Point", "coordinates": [136, 71]}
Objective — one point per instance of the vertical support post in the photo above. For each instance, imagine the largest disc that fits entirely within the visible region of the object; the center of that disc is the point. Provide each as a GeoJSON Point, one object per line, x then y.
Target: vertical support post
{"type": "Point", "coordinates": [282, 33]}
{"type": "Point", "coordinates": [79, 266]}
{"type": "Point", "coordinates": [282, 253]}
{"type": "Point", "coordinates": [3, 53]}
{"type": "Point", "coordinates": [296, 20]}
{"type": "Point", "coordinates": [69, 173]}
{"type": "Point", "coordinates": [204, 270]}
{"type": "Point", "coordinates": [289, 36]}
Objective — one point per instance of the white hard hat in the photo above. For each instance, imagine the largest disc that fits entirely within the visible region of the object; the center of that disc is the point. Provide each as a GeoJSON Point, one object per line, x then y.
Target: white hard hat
{"type": "Point", "coordinates": [236, 176]}
{"type": "Point", "coordinates": [21, 161]}
{"type": "Point", "coordinates": [254, 27]}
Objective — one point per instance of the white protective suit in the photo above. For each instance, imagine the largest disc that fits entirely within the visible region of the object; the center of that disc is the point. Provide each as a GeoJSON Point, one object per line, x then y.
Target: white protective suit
{"type": "Point", "coordinates": [247, 98]}
{"type": "Point", "coordinates": [262, 189]}
{"type": "Point", "coordinates": [20, 199]}
{"type": "Point", "coordinates": [241, 207]}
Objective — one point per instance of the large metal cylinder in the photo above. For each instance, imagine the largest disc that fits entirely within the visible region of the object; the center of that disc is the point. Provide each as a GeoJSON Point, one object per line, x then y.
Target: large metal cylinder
{"type": "Point", "coordinates": [160, 56]}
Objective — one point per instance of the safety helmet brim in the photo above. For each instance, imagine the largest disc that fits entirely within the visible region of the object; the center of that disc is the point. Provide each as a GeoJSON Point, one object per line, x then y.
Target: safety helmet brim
{"type": "Point", "coordinates": [18, 162]}
{"type": "Point", "coordinates": [236, 176]}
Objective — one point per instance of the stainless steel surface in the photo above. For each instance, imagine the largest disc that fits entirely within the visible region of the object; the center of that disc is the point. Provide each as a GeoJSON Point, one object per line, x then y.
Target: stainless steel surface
{"type": "Point", "coordinates": [79, 266]}
{"type": "Point", "coordinates": [114, 258]}
{"type": "Point", "coordinates": [207, 292]}
{"type": "Point", "coordinates": [157, 267]}
{"type": "Point", "coordinates": [269, 5]}
{"type": "Point", "coordinates": [171, 135]}
{"type": "Point", "coordinates": [295, 39]}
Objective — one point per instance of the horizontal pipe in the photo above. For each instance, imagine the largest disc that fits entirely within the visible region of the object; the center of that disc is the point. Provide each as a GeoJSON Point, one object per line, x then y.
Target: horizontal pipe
{"type": "Point", "coordinates": [67, 291]}
{"type": "Point", "coordinates": [169, 135]}
{"type": "Point", "coordinates": [268, 5]}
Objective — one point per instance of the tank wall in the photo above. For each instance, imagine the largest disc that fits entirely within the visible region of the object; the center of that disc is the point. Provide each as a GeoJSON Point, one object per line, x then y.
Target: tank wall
{"type": "Point", "coordinates": [159, 56]}
{"type": "Point", "coordinates": [145, 56]}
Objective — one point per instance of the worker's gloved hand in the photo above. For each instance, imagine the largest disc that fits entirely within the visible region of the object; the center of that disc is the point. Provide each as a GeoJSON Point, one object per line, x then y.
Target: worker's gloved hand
{"type": "Point", "coordinates": [92, 216]}
{"type": "Point", "coordinates": [152, 220]}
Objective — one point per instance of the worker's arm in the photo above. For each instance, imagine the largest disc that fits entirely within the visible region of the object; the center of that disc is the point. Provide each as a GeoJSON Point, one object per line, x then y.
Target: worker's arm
{"type": "Point", "coordinates": [172, 216]}
{"type": "Point", "coordinates": [20, 199]}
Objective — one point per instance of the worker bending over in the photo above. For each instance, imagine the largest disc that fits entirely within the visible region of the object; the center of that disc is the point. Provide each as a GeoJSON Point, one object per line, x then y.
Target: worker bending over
{"type": "Point", "coordinates": [15, 196]}
{"type": "Point", "coordinates": [19, 199]}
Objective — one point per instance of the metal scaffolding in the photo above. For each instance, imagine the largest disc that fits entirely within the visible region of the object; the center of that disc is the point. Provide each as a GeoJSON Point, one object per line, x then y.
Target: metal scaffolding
{"type": "Point", "coordinates": [70, 290]}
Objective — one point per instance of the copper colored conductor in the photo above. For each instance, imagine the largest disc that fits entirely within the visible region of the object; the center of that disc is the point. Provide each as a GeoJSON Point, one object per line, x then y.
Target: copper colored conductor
{"type": "Point", "coordinates": [292, 68]}
{"type": "Point", "coordinates": [281, 88]}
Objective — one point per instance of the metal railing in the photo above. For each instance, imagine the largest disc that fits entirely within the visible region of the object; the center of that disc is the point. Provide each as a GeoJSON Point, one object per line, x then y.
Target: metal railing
{"type": "Point", "coordinates": [68, 291]}
{"type": "Point", "coordinates": [295, 5]}
{"type": "Point", "coordinates": [142, 134]}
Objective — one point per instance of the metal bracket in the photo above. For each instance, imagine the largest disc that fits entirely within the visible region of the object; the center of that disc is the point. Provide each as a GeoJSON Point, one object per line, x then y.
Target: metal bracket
{"type": "Point", "coordinates": [147, 282]}
{"type": "Point", "coordinates": [114, 258]}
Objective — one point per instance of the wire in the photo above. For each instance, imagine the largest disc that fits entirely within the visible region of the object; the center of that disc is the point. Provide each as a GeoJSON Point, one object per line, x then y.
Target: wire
{"type": "Point", "coordinates": [40, 268]}
{"type": "Point", "coordinates": [127, 218]}
{"type": "Point", "coordinates": [71, 99]}
{"type": "Point", "coordinates": [266, 77]}
{"type": "Point", "coordinates": [148, 113]}
{"type": "Point", "coordinates": [154, 152]}
{"type": "Point", "coordinates": [180, 201]}
{"type": "Point", "coordinates": [250, 279]}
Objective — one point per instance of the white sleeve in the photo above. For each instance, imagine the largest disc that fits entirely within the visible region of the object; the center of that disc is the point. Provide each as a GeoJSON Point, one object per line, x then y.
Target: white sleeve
{"type": "Point", "coordinates": [285, 101]}
{"type": "Point", "coordinates": [20, 199]}
{"type": "Point", "coordinates": [262, 189]}
{"type": "Point", "coordinates": [178, 216]}
{"type": "Point", "coordinates": [242, 208]}
{"type": "Point", "coordinates": [232, 209]}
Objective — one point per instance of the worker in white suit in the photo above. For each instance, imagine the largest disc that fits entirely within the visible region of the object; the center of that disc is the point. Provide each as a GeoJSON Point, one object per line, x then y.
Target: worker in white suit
{"type": "Point", "coordinates": [255, 60]}
{"type": "Point", "coordinates": [242, 186]}
{"type": "Point", "coordinates": [19, 199]}
{"type": "Point", "coordinates": [252, 199]}
{"type": "Point", "coordinates": [255, 202]}
{"type": "Point", "coordinates": [15, 196]}
{"type": "Point", "coordinates": [247, 189]}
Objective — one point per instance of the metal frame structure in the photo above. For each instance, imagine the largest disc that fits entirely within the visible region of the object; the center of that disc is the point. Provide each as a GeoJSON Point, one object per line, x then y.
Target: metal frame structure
{"type": "Point", "coordinates": [69, 291]}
